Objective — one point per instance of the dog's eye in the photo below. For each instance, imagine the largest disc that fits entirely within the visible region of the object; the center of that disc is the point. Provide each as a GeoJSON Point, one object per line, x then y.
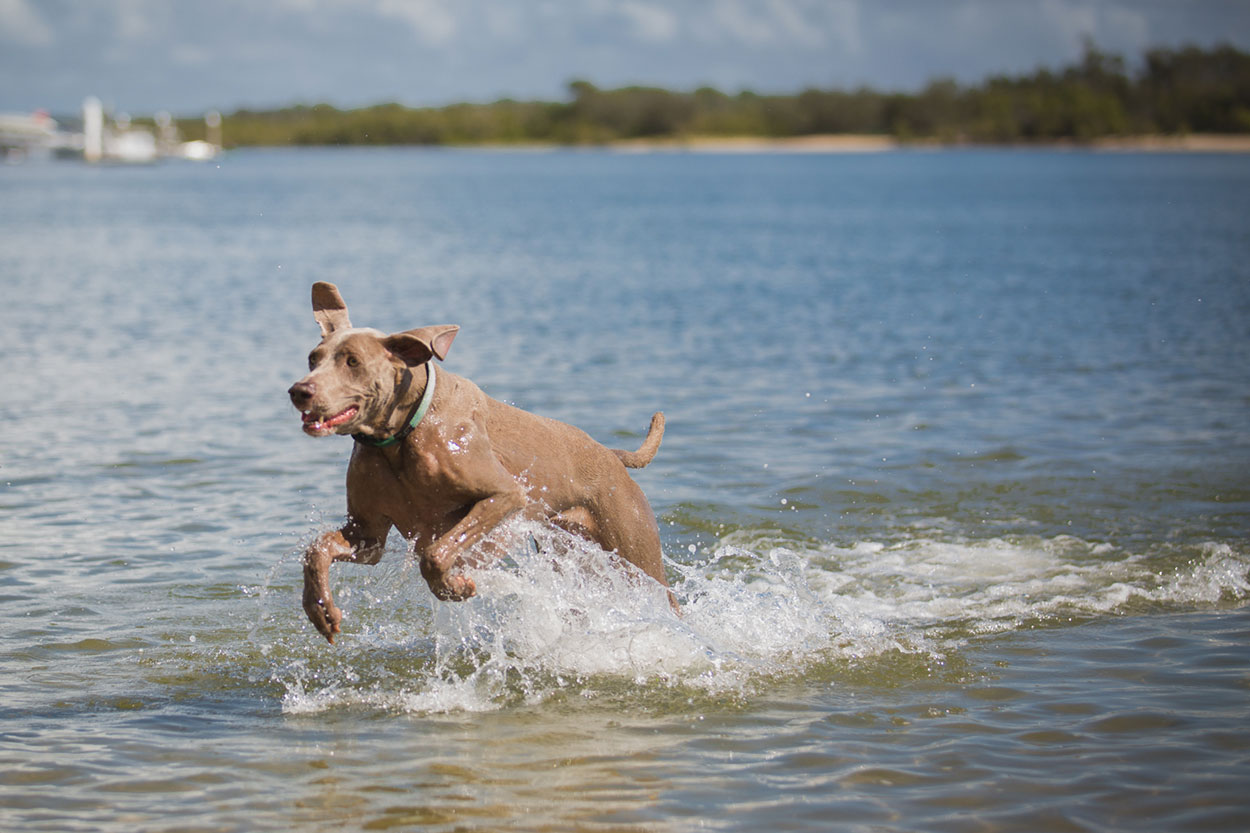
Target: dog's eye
{"type": "Point", "coordinates": [312, 363]}
{"type": "Point", "coordinates": [352, 361]}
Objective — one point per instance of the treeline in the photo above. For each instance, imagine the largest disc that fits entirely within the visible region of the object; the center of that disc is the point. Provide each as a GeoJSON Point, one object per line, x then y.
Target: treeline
{"type": "Point", "coordinates": [1189, 90]}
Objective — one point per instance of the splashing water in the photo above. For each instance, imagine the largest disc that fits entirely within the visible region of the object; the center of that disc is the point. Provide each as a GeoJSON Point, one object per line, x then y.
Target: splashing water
{"type": "Point", "coordinates": [559, 618]}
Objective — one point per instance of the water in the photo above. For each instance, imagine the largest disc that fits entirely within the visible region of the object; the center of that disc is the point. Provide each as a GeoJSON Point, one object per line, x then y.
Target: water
{"type": "Point", "coordinates": [954, 493]}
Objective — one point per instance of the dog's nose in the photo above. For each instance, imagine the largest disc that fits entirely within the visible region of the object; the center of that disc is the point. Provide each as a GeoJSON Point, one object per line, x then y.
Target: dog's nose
{"type": "Point", "coordinates": [301, 393]}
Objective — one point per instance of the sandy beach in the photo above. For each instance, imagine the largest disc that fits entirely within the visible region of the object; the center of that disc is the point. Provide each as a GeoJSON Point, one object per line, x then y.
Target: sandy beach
{"type": "Point", "coordinates": [827, 143]}
{"type": "Point", "coordinates": [1193, 143]}
{"type": "Point", "coordinates": [867, 143]}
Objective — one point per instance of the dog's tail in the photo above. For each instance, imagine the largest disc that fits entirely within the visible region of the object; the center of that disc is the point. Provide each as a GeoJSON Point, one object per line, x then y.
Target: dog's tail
{"type": "Point", "coordinates": [638, 459]}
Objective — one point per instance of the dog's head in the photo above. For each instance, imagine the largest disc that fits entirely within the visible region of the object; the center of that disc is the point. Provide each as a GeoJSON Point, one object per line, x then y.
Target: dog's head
{"type": "Point", "coordinates": [356, 376]}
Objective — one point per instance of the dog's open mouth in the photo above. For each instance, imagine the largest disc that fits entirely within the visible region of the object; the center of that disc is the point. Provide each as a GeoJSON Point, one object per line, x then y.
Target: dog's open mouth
{"type": "Point", "coordinates": [319, 426]}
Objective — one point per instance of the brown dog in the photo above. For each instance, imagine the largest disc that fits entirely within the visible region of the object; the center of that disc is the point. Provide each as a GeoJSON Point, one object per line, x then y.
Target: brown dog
{"type": "Point", "coordinates": [445, 464]}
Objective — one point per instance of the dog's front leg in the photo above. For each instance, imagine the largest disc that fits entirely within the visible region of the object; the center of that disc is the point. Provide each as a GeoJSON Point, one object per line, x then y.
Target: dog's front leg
{"type": "Point", "coordinates": [328, 548]}
{"type": "Point", "coordinates": [318, 602]}
{"type": "Point", "coordinates": [448, 551]}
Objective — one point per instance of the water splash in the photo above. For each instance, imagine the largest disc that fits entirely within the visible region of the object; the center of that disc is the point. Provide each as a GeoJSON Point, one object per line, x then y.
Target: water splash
{"type": "Point", "coordinates": [559, 619]}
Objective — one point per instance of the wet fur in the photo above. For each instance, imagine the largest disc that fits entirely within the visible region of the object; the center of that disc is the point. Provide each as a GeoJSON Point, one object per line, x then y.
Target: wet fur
{"type": "Point", "coordinates": [469, 465]}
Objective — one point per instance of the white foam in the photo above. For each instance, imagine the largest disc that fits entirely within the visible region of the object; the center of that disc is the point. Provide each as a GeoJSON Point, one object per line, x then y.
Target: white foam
{"type": "Point", "coordinates": [563, 619]}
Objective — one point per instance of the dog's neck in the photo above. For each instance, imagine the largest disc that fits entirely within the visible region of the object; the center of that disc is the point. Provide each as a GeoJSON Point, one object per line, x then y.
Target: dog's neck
{"type": "Point", "coordinates": [411, 416]}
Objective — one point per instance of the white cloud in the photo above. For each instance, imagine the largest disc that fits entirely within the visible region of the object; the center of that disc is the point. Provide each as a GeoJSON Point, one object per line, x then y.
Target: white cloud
{"type": "Point", "coordinates": [21, 24]}
{"type": "Point", "coordinates": [794, 25]}
{"type": "Point", "coordinates": [736, 23]}
{"type": "Point", "coordinates": [434, 22]}
{"type": "Point", "coordinates": [431, 20]}
{"type": "Point", "coordinates": [139, 20]}
{"type": "Point", "coordinates": [650, 22]}
{"type": "Point", "coordinates": [783, 24]}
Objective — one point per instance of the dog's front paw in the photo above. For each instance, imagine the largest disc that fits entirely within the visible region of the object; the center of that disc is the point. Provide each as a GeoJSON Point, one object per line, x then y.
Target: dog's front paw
{"type": "Point", "coordinates": [323, 613]}
{"type": "Point", "coordinates": [454, 588]}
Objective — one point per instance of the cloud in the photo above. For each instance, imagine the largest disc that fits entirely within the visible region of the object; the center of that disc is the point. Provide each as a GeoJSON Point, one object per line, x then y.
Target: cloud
{"type": "Point", "coordinates": [433, 21]}
{"type": "Point", "coordinates": [737, 22]}
{"type": "Point", "coordinates": [808, 25]}
{"type": "Point", "coordinates": [798, 24]}
{"type": "Point", "coordinates": [650, 22]}
{"type": "Point", "coordinates": [21, 24]}
{"type": "Point", "coordinates": [154, 54]}
{"type": "Point", "coordinates": [140, 20]}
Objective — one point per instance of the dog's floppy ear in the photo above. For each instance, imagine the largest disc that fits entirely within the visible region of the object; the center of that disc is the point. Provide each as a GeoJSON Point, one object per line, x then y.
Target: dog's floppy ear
{"type": "Point", "coordinates": [329, 309]}
{"type": "Point", "coordinates": [420, 345]}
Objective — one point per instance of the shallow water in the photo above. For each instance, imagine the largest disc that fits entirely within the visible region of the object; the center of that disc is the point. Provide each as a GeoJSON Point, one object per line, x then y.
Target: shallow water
{"type": "Point", "coordinates": [953, 493]}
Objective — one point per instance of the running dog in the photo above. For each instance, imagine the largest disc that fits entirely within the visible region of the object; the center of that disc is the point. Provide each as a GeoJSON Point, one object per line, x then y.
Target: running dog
{"type": "Point", "coordinates": [445, 464]}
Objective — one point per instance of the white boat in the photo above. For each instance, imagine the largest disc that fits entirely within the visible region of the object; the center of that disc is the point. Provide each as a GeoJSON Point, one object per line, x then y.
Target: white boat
{"type": "Point", "coordinates": [23, 135]}
{"type": "Point", "coordinates": [114, 143]}
{"type": "Point", "coordinates": [198, 150]}
{"type": "Point", "coordinates": [103, 140]}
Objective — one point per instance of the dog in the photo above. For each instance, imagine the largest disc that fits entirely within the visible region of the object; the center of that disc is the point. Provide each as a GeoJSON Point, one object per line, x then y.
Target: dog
{"type": "Point", "coordinates": [445, 464]}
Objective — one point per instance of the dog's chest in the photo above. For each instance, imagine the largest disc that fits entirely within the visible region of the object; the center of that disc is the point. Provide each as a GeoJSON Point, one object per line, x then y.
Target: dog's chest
{"type": "Point", "coordinates": [409, 487]}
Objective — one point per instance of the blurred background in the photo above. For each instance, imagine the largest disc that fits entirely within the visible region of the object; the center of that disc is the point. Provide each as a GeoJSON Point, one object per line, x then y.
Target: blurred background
{"type": "Point", "coordinates": [428, 72]}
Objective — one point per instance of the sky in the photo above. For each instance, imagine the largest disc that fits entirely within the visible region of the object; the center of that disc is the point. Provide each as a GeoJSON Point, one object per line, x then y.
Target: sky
{"type": "Point", "coordinates": [142, 56]}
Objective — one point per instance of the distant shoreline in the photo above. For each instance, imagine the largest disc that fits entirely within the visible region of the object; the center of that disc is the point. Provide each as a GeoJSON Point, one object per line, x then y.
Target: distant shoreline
{"type": "Point", "coordinates": [823, 144]}
{"type": "Point", "coordinates": [863, 143]}
{"type": "Point", "coordinates": [1186, 100]}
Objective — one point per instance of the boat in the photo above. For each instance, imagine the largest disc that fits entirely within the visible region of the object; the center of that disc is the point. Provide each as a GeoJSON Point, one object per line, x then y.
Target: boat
{"type": "Point", "coordinates": [104, 139]}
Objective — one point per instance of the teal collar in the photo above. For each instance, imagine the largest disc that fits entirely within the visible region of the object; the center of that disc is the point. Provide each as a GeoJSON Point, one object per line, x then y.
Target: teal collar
{"type": "Point", "coordinates": [418, 414]}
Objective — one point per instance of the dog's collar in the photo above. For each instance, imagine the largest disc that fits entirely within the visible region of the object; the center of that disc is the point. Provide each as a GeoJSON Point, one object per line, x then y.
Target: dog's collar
{"type": "Point", "coordinates": [418, 414]}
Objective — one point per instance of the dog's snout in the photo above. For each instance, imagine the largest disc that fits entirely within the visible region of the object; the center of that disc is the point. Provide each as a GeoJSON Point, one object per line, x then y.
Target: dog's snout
{"type": "Point", "coordinates": [302, 392]}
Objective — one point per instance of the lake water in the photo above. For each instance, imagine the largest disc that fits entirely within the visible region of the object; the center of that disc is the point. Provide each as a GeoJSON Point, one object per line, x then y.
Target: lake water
{"type": "Point", "coordinates": [955, 494]}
